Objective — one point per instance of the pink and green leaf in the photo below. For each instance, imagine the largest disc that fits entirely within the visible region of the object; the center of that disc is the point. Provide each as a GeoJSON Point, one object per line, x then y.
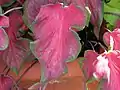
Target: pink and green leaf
{"type": "Point", "coordinates": [56, 43]}
{"type": "Point", "coordinates": [17, 49]}
{"type": "Point", "coordinates": [32, 8]}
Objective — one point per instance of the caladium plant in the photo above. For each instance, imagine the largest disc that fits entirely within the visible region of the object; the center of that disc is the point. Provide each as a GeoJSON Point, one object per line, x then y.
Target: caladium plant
{"type": "Point", "coordinates": [56, 43]}
{"type": "Point", "coordinates": [105, 65]}
{"type": "Point", "coordinates": [52, 35]}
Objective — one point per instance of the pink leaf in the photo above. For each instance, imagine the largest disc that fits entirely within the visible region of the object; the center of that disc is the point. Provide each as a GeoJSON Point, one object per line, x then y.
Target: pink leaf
{"type": "Point", "coordinates": [35, 5]}
{"type": "Point", "coordinates": [88, 63]}
{"type": "Point", "coordinates": [4, 21]}
{"type": "Point", "coordinates": [3, 39]}
{"type": "Point", "coordinates": [116, 38]}
{"type": "Point", "coordinates": [17, 50]}
{"type": "Point", "coordinates": [55, 41]}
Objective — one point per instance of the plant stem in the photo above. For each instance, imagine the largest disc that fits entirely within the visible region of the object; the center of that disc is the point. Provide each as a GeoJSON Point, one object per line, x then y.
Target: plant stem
{"type": "Point", "coordinates": [18, 81]}
{"type": "Point", "coordinates": [7, 71]}
{"type": "Point", "coordinates": [5, 68]}
{"type": "Point", "coordinates": [91, 45]}
{"type": "Point", "coordinates": [16, 8]}
{"type": "Point", "coordinates": [112, 13]}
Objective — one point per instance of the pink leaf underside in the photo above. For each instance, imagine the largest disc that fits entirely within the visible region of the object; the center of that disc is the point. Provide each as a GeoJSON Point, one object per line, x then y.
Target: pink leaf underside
{"type": "Point", "coordinates": [114, 65]}
{"type": "Point", "coordinates": [2, 2]}
{"type": "Point", "coordinates": [3, 39]}
{"type": "Point", "coordinates": [32, 8]}
{"type": "Point", "coordinates": [95, 7]}
{"type": "Point", "coordinates": [18, 49]}
{"type": "Point", "coordinates": [88, 67]}
{"type": "Point", "coordinates": [4, 21]}
{"type": "Point", "coordinates": [6, 82]}
{"type": "Point", "coordinates": [56, 42]}
{"type": "Point", "coordinates": [116, 37]}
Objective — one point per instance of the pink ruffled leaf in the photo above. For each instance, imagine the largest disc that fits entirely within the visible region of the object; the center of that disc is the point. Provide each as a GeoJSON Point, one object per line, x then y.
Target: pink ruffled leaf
{"type": "Point", "coordinates": [18, 49]}
{"type": "Point", "coordinates": [108, 67]}
{"type": "Point", "coordinates": [4, 40]}
{"type": "Point", "coordinates": [55, 42]}
{"type": "Point", "coordinates": [116, 38]}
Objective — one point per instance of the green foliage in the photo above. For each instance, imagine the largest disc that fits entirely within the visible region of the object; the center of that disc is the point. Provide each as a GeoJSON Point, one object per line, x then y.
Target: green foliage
{"type": "Point", "coordinates": [112, 12]}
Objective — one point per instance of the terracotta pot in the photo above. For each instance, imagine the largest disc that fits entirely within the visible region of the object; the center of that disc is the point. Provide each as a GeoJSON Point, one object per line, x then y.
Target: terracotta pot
{"type": "Point", "coordinates": [73, 80]}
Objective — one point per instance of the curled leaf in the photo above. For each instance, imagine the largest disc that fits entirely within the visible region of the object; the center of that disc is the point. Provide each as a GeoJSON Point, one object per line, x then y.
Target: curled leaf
{"type": "Point", "coordinates": [4, 40]}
